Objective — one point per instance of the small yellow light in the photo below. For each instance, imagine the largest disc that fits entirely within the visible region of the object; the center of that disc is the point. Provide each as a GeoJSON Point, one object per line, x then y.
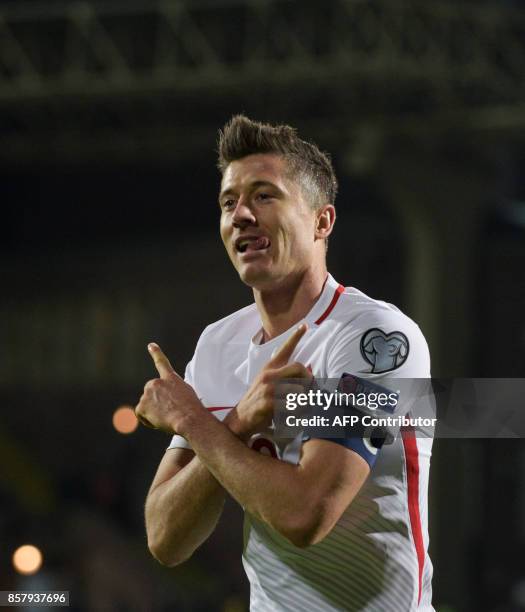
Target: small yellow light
{"type": "Point", "coordinates": [27, 559]}
{"type": "Point", "coordinates": [124, 420]}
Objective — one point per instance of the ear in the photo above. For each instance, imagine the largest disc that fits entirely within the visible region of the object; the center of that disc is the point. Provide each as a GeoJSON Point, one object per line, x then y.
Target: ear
{"type": "Point", "coordinates": [325, 219]}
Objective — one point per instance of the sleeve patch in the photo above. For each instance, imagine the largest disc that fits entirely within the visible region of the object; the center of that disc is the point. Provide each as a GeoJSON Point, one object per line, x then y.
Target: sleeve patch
{"type": "Point", "coordinates": [384, 351]}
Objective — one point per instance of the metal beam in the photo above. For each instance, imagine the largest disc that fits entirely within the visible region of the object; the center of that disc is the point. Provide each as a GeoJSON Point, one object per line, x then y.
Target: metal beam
{"type": "Point", "coordinates": [136, 62]}
{"type": "Point", "coordinates": [88, 49]}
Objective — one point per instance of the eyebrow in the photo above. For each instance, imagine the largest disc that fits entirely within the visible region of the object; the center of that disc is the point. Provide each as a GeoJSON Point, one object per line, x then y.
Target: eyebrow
{"type": "Point", "coordinates": [254, 185]}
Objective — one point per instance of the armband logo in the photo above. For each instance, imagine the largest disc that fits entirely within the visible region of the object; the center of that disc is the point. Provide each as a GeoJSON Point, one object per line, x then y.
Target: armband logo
{"type": "Point", "coordinates": [384, 352]}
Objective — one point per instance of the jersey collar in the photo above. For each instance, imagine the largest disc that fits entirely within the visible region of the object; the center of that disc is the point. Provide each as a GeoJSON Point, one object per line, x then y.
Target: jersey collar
{"type": "Point", "coordinates": [326, 302]}
{"type": "Point", "coordinates": [332, 291]}
{"type": "Point", "coordinates": [258, 354]}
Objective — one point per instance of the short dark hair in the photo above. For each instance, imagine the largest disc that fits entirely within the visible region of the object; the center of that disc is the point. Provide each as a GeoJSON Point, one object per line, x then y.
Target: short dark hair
{"type": "Point", "coordinates": [241, 137]}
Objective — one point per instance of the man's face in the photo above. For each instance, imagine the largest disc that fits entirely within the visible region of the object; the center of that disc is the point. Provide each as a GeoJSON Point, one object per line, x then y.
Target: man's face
{"type": "Point", "coordinates": [267, 225]}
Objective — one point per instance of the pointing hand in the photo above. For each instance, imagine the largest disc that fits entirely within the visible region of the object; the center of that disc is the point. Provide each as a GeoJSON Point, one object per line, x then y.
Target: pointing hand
{"type": "Point", "coordinates": [166, 400]}
{"type": "Point", "coordinates": [255, 409]}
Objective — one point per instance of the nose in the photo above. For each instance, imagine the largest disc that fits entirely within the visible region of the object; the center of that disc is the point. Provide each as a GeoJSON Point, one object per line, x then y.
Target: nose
{"type": "Point", "coordinates": [243, 214]}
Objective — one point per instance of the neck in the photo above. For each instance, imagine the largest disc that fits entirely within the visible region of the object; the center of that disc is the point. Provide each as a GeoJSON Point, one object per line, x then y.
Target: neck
{"type": "Point", "coordinates": [288, 303]}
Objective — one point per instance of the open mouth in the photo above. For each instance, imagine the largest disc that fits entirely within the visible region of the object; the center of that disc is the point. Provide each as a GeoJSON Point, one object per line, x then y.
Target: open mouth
{"type": "Point", "coordinates": [251, 244]}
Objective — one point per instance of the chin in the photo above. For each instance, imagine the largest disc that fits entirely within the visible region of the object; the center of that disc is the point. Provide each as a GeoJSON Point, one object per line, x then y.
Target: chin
{"type": "Point", "coordinates": [256, 278]}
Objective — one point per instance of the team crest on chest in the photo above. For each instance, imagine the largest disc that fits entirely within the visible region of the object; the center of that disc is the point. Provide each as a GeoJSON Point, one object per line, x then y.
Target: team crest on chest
{"type": "Point", "coordinates": [384, 351]}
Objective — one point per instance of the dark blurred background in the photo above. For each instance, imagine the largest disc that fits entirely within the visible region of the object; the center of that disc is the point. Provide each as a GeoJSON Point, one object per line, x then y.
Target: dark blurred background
{"type": "Point", "coordinates": [108, 120]}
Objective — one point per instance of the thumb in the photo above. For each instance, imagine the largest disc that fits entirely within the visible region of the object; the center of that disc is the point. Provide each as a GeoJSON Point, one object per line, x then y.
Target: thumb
{"type": "Point", "coordinates": [162, 363]}
{"type": "Point", "coordinates": [284, 353]}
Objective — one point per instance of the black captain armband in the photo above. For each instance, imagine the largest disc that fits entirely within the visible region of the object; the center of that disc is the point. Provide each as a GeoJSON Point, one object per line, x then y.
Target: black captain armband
{"type": "Point", "coordinates": [361, 403]}
{"type": "Point", "coordinates": [365, 440]}
{"type": "Point", "coordinates": [362, 434]}
{"type": "Point", "coordinates": [354, 434]}
{"type": "Point", "coordinates": [350, 411]}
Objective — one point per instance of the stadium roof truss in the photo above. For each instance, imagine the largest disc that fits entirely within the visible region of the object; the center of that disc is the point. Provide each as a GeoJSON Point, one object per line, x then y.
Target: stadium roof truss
{"type": "Point", "coordinates": [86, 68]}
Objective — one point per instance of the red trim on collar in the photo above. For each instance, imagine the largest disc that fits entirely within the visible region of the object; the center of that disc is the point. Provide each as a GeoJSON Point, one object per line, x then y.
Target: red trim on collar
{"type": "Point", "coordinates": [337, 295]}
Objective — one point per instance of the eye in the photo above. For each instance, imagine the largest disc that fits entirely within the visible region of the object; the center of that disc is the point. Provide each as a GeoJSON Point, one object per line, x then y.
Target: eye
{"type": "Point", "coordinates": [263, 196]}
{"type": "Point", "coordinates": [228, 204]}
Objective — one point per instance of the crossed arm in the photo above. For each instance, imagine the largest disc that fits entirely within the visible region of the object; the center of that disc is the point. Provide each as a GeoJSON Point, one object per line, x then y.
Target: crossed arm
{"type": "Point", "coordinates": [302, 502]}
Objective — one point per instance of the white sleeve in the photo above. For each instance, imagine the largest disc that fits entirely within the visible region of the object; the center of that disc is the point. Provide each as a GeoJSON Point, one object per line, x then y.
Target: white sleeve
{"type": "Point", "coordinates": [379, 344]}
{"type": "Point", "coordinates": [384, 346]}
{"type": "Point", "coordinates": [178, 441]}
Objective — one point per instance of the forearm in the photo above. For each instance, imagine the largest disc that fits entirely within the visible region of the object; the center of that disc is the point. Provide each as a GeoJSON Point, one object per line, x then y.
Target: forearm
{"type": "Point", "coordinates": [271, 490]}
{"type": "Point", "coordinates": [182, 512]}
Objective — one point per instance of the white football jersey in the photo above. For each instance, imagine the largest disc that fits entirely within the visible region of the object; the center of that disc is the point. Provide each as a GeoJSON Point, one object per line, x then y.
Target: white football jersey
{"type": "Point", "coordinates": [375, 559]}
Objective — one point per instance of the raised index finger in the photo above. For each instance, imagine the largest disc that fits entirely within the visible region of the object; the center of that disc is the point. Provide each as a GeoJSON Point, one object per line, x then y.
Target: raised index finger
{"type": "Point", "coordinates": [284, 353]}
{"type": "Point", "coordinates": [162, 363]}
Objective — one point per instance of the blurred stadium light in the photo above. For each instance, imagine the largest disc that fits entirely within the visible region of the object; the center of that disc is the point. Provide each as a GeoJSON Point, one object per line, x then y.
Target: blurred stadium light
{"type": "Point", "coordinates": [124, 420]}
{"type": "Point", "coordinates": [27, 559]}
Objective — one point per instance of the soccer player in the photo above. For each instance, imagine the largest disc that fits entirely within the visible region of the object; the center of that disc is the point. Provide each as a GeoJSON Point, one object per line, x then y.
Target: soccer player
{"type": "Point", "coordinates": [329, 524]}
